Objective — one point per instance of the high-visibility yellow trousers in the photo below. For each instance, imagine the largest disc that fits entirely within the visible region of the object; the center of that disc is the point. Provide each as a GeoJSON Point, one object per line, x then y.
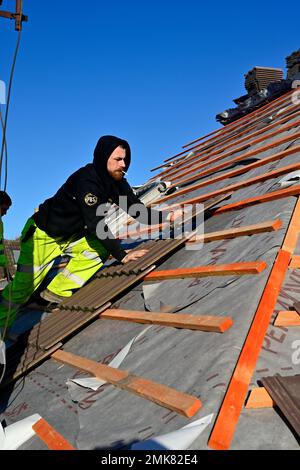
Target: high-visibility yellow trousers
{"type": "Point", "coordinates": [38, 253]}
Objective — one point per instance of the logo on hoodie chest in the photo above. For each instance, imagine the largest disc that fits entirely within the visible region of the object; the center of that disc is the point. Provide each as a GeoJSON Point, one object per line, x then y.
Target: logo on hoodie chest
{"type": "Point", "coordinates": [90, 199]}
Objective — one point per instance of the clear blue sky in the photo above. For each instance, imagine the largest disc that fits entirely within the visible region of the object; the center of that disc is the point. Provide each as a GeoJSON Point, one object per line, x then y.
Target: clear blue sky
{"type": "Point", "coordinates": [152, 72]}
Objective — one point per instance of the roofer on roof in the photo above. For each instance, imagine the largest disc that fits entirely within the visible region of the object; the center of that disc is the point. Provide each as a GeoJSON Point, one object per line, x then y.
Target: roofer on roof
{"type": "Point", "coordinates": [66, 224]}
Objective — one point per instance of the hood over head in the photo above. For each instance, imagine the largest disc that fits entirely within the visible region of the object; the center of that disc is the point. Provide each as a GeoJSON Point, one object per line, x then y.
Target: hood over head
{"type": "Point", "coordinates": [103, 150]}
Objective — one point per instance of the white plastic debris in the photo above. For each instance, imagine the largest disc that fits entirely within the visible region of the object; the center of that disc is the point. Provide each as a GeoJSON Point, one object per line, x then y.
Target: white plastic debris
{"type": "Point", "coordinates": [175, 440]}
{"type": "Point", "coordinates": [289, 179]}
{"type": "Point", "coordinates": [2, 359]}
{"type": "Point", "coordinates": [13, 436]}
{"type": "Point", "coordinates": [2, 353]}
{"type": "Point", "coordinates": [93, 382]}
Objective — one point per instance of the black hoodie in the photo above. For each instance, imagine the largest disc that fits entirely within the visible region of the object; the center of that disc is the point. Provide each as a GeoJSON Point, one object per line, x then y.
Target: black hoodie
{"type": "Point", "coordinates": [71, 212]}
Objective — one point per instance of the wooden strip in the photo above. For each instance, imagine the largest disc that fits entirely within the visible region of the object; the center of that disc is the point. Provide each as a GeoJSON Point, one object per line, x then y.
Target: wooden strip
{"type": "Point", "coordinates": [176, 175]}
{"type": "Point", "coordinates": [261, 199]}
{"type": "Point", "coordinates": [246, 132]}
{"type": "Point", "coordinates": [228, 163]}
{"type": "Point", "coordinates": [235, 139]}
{"type": "Point", "coordinates": [182, 403]}
{"type": "Point", "coordinates": [175, 320]}
{"type": "Point", "coordinates": [243, 169]}
{"type": "Point", "coordinates": [50, 436]}
{"type": "Point", "coordinates": [287, 318]}
{"type": "Point", "coordinates": [254, 267]}
{"type": "Point", "coordinates": [216, 141]}
{"type": "Point", "coordinates": [242, 121]}
{"type": "Point", "coordinates": [236, 172]}
{"type": "Point", "coordinates": [291, 238]}
{"type": "Point", "coordinates": [245, 119]}
{"type": "Point", "coordinates": [269, 226]}
{"type": "Point", "coordinates": [239, 170]}
{"type": "Point", "coordinates": [217, 150]}
{"type": "Point", "coordinates": [259, 398]}
{"type": "Point", "coordinates": [231, 407]}
{"type": "Point", "coordinates": [295, 262]}
{"type": "Point", "coordinates": [236, 186]}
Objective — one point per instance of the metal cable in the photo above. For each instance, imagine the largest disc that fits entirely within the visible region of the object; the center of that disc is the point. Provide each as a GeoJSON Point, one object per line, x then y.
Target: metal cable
{"type": "Point", "coordinates": [7, 106]}
{"type": "Point", "coordinates": [3, 146]}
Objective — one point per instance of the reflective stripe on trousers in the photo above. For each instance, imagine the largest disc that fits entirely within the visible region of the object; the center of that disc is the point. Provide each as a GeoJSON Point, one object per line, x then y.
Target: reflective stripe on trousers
{"type": "Point", "coordinates": [29, 269]}
{"type": "Point", "coordinates": [92, 255]}
{"type": "Point", "coordinates": [72, 277]}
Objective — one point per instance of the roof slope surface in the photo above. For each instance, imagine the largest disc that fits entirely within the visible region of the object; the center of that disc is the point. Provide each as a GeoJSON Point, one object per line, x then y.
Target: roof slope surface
{"type": "Point", "coordinates": [246, 159]}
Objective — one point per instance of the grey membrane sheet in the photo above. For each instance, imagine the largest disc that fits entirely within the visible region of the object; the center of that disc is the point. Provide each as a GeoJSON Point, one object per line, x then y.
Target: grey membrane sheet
{"type": "Point", "coordinates": [198, 363]}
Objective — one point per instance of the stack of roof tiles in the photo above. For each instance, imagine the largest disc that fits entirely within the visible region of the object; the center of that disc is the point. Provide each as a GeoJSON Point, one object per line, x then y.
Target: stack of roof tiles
{"type": "Point", "coordinates": [259, 78]}
{"type": "Point", "coordinates": [293, 64]}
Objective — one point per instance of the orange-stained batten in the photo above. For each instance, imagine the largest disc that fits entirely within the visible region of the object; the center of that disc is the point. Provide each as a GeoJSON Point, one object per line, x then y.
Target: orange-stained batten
{"type": "Point", "coordinates": [259, 398]}
{"type": "Point", "coordinates": [295, 262]}
{"type": "Point", "coordinates": [224, 131]}
{"type": "Point", "coordinates": [231, 407]}
{"type": "Point", "coordinates": [220, 144]}
{"type": "Point", "coordinates": [244, 119]}
{"type": "Point", "coordinates": [52, 439]}
{"type": "Point", "coordinates": [233, 232]}
{"type": "Point", "coordinates": [238, 171]}
{"type": "Point", "coordinates": [174, 176]}
{"type": "Point", "coordinates": [237, 141]}
{"type": "Point", "coordinates": [282, 193]}
{"type": "Point", "coordinates": [225, 424]}
{"type": "Point", "coordinates": [233, 187]}
{"type": "Point", "coordinates": [182, 403]}
{"type": "Point", "coordinates": [175, 320]}
{"type": "Point", "coordinates": [287, 318]}
{"type": "Point", "coordinates": [250, 267]}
